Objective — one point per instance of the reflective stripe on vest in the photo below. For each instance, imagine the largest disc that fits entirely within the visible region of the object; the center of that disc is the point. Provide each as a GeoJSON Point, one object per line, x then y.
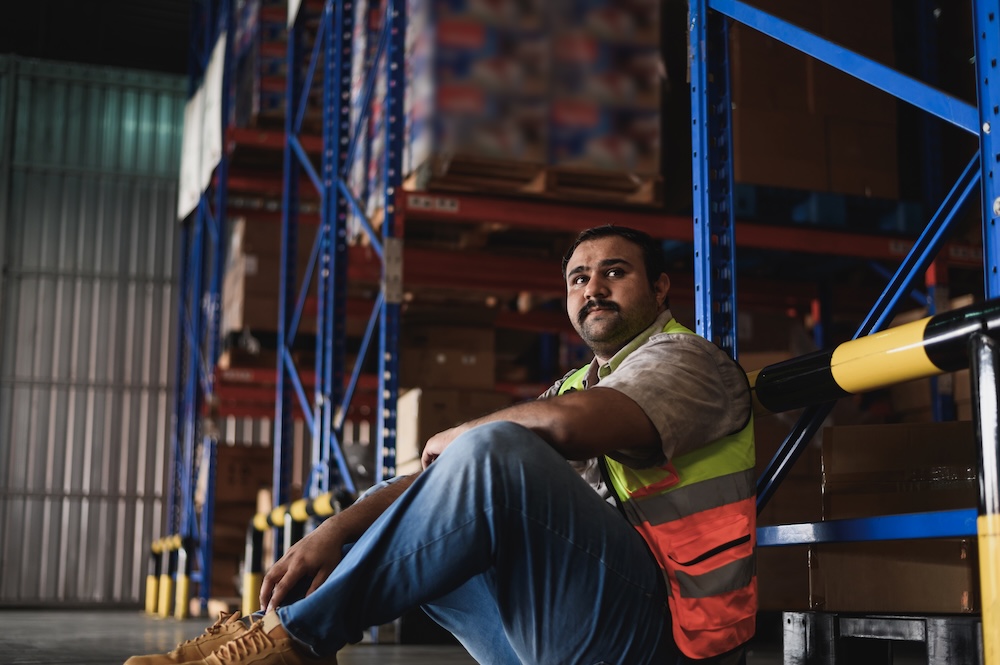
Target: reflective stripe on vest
{"type": "Point", "coordinates": [697, 513]}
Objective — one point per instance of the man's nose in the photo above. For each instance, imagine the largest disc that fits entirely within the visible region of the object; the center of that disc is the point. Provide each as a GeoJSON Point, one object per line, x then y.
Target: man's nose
{"type": "Point", "coordinates": [596, 288]}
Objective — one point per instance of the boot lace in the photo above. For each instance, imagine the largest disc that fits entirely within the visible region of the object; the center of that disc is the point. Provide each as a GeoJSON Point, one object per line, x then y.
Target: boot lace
{"type": "Point", "coordinates": [254, 641]}
{"type": "Point", "coordinates": [211, 630]}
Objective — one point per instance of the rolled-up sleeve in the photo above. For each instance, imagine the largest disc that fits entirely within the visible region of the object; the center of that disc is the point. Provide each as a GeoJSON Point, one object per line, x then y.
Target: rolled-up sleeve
{"type": "Point", "coordinates": [692, 392]}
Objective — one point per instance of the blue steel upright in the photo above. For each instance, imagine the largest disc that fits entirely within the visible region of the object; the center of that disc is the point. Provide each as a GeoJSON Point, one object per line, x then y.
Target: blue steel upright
{"type": "Point", "coordinates": [986, 21]}
{"type": "Point", "coordinates": [934, 102]}
{"type": "Point", "coordinates": [287, 378]}
{"type": "Point", "coordinates": [330, 468]}
{"type": "Point", "coordinates": [394, 25]}
{"type": "Point", "coordinates": [204, 247]}
{"type": "Point", "coordinates": [711, 148]}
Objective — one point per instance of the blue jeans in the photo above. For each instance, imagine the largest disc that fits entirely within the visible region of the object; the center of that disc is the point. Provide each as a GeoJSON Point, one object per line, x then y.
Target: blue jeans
{"type": "Point", "coordinates": [504, 545]}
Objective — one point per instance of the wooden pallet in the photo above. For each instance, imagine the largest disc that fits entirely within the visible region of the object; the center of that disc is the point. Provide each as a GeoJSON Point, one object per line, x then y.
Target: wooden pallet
{"type": "Point", "coordinates": [477, 174]}
{"type": "Point", "coordinates": [497, 176]}
{"type": "Point", "coordinates": [570, 183]}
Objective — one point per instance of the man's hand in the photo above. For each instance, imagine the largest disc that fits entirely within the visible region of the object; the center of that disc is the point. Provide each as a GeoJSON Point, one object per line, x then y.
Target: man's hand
{"type": "Point", "coordinates": [437, 443]}
{"type": "Point", "coordinates": [312, 559]}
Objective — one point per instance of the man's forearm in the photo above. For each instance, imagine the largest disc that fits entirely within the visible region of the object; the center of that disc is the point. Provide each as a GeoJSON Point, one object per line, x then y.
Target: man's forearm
{"type": "Point", "coordinates": [355, 520]}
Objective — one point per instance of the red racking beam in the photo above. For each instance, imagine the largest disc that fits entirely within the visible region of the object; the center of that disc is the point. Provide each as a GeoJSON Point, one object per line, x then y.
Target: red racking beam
{"type": "Point", "coordinates": [553, 216]}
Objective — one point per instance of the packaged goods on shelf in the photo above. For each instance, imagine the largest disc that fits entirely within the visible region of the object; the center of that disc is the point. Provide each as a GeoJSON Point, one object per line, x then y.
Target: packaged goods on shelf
{"type": "Point", "coordinates": [585, 134]}
{"type": "Point", "coordinates": [928, 576]}
{"type": "Point", "coordinates": [615, 21]}
{"type": "Point", "coordinates": [800, 124]}
{"type": "Point", "coordinates": [260, 55]}
{"type": "Point", "coordinates": [869, 471]}
{"type": "Point", "coordinates": [423, 412]}
{"type": "Point", "coordinates": [442, 356]}
{"type": "Point", "coordinates": [480, 95]}
{"type": "Point", "coordinates": [251, 283]}
{"type": "Point", "coordinates": [780, 148]}
{"type": "Point", "coordinates": [474, 88]}
{"type": "Point", "coordinates": [241, 471]}
{"type": "Point", "coordinates": [898, 468]}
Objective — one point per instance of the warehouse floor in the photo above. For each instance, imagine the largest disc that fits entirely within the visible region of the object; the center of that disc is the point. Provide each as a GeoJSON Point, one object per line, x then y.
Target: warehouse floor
{"type": "Point", "coordinates": [108, 637]}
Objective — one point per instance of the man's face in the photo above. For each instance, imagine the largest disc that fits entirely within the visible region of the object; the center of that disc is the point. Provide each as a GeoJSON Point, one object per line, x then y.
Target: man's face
{"type": "Point", "coordinates": [608, 296]}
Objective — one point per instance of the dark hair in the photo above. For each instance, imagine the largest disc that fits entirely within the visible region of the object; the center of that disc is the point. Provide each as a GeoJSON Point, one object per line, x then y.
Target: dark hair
{"type": "Point", "coordinates": [652, 250]}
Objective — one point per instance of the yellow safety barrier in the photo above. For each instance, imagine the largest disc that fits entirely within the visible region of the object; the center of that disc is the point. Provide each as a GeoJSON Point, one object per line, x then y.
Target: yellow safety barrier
{"type": "Point", "coordinates": [924, 348]}
{"type": "Point", "coordinates": [989, 574]}
{"type": "Point", "coordinates": [954, 340]}
{"type": "Point", "coordinates": [292, 519]}
{"type": "Point", "coordinates": [153, 578]}
{"type": "Point", "coordinates": [160, 596]}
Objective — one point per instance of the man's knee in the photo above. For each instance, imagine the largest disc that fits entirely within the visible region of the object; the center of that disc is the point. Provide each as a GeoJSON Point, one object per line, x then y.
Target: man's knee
{"type": "Point", "coordinates": [500, 440]}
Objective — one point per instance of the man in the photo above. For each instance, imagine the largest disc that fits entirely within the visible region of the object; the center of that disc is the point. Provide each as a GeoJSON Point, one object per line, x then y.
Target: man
{"type": "Point", "coordinates": [505, 546]}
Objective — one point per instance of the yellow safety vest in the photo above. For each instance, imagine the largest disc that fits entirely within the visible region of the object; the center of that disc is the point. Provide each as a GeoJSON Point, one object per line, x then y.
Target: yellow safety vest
{"type": "Point", "coordinates": [698, 514]}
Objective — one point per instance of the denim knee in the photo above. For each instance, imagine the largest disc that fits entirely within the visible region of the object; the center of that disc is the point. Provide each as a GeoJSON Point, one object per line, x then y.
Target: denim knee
{"type": "Point", "coordinates": [502, 440]}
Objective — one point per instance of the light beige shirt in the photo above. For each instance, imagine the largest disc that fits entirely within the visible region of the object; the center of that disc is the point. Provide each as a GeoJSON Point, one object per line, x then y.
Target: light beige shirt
{"type": "Point", "coordinates": [692, 392]}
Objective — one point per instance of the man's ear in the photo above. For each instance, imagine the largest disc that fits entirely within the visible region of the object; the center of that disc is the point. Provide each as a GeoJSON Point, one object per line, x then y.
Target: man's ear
{"type": "Point", "coordinates": [661, 287]}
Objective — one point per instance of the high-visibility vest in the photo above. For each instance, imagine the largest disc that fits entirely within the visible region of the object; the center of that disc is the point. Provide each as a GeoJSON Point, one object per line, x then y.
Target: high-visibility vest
{"type": "Point", "coordinates": [697, 513]}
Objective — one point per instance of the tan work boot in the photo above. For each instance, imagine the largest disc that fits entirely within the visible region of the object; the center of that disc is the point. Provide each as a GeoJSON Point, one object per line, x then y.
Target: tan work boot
{"type": "Point", "coordinates": [265, 643]}
{"type": "Point", "coordinates": [228, 627]}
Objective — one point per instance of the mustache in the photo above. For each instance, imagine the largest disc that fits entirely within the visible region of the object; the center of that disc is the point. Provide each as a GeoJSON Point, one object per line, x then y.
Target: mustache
{"type": "Point", "coordinates": [595, 304]}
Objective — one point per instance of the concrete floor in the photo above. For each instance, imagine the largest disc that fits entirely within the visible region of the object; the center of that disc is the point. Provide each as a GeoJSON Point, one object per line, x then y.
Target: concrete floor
{"type": "Point", "coordinates": [108, 637]}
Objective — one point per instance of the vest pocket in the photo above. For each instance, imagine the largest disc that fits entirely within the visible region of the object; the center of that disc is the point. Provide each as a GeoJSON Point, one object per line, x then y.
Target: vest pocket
{"type": "Point", "coordinates": [710, 557]}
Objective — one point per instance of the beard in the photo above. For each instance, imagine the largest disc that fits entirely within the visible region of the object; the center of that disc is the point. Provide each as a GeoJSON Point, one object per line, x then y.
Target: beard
{"type": "Point", "coordinates": [611, 329]}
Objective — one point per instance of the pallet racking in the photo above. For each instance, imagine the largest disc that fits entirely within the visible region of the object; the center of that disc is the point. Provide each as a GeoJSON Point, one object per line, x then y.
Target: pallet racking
{"type": "Point", "coordinates": [715, 231]}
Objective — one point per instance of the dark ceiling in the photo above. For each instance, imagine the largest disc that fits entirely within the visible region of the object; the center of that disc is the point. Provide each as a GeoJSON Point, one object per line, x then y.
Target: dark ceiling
{"type": "Point", "coordinates": [138, 34]}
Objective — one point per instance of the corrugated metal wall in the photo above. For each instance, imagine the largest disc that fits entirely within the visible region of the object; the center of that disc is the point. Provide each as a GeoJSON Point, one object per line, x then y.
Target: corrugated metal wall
{"type": "Point", "coordinates": [88, 234]}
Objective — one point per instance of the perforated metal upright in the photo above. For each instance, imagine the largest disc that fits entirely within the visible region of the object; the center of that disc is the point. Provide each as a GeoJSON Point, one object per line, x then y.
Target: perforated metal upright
{"type": "Point", "coordinates": [342, 139]}
{"type": "Point", "coordinates": [203, 245]}
{"type": "Point", "coordinates": [708, 41]}
{"type": "Point", "coordinates": [711, 154]}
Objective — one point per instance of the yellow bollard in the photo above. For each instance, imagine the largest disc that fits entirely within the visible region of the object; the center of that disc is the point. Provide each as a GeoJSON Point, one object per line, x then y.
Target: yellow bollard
{"type": "Point", "coordinates": [989, 582]}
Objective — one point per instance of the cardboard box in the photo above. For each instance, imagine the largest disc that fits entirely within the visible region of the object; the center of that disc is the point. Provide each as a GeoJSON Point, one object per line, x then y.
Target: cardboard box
{"type": "Point", "coordinates": [841, 95]}
{"type": "Point", "coordinates": [863, 157]}
{"type": "Point", "coordinates": [240, 471]}
{"type": "Point", "coordinates": [768, 74]}
{"type": "Point", "coordinates": [864, 26]}
{"type": "Point", "coordinates": [901, 468]}
{"type": "Point", "coordinates": [783, 578]}
{"type": "Point", "coordinates": [780, 149]}
{"type": "Point", "coordinates": [930, 576]}
{"type": "Point", "coordinates": [421, 413]}
{"type": "Point", "coordinates": [447, 357]}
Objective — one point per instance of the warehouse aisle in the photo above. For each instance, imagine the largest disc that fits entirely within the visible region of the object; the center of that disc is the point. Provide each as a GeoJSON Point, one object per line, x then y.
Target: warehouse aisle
{"type": "Point", "coordinates": [108, 637]}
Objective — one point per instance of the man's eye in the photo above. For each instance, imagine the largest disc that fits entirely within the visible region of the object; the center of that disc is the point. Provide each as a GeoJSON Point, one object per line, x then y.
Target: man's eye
{"type": "Point", "coordinates": [614, 272]}
{"type": "Point", "coordinates": [579, 279]}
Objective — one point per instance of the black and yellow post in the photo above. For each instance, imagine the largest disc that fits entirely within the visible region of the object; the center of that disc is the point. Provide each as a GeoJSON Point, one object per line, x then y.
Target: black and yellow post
{"type": "Point", "coordinates": [253, 562]}
{"type": "Point", "coordinates": [153, 577]}
{"type": "Point", "coordinates": [984, 361]}
{"type": "Point", "coordinates": [924, 348]}
{"type": "Point", "coordinates": [292, 519]}
{"type": "Point", "coordinates": [295, 528]}
{"type": "Point", "coordinates": [943, 343]}
{"type": "Point", "coordinates": [168, 569]}
{"type": "Point", "coordinates": [182, 596]}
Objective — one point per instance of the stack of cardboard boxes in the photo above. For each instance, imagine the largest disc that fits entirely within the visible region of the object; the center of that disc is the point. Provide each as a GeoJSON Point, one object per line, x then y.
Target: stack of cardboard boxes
{"type": "Point", "coordinates": [801, 124]}
{"type": "Point", "coordinates": [252, 271]}
{"type": "Point", "coordinates": [607, 74]}
{"type": "Point", "coordinates": [868, 471]}
{"type": "Point", "coordinates": [860, 466]}
{"type": "Point", "coordinates": [447, 374]}
{"type": "Point", "coordinates": [241, 472]}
